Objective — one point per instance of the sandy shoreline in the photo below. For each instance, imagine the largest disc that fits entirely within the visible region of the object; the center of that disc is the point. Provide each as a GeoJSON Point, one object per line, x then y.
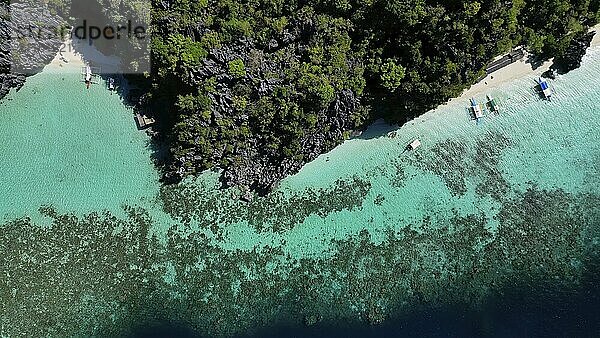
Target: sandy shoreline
{"type": "Point", "coordinates": [596, 39]}
{"type": "Point", "coordinates": [507, 74]}
{"type": "Point", "coordinates": [75, 54]}
{"type": "Point", "coordinates": [67, 56]}
{"type": "Point", "coordinates": [515, 71]}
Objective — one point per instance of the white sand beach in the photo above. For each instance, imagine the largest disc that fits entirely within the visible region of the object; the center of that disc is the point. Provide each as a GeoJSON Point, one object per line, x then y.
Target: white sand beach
{"type": "Point", "coordinates": [507, 74]}
{"type": "Point", "coordinates": [596, 39]}
{"type": "Point", "coordinates": [74, 54]}
{"type": "Point", "coordinates": [67, 56]}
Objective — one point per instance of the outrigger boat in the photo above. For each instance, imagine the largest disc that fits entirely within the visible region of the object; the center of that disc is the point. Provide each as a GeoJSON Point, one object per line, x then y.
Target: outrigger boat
{"type": "Point", "coordinates": [414, 144]}
{"type": "Point", "coordinates": [475, 110]}
{"type": "Point", "coordinates": [546, 91]}
{"type": "Point", "coordinates": [90, 75]}
{"type": "Point", "coordinates": [492, 105]}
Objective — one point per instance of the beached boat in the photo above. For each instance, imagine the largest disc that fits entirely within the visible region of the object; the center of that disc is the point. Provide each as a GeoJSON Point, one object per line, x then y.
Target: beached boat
{"type": "Point", "coordinates": [90, 75]}
{"type": "Point", "coordinates": [476, 110]}
{"type": "Point", "coordinates": [492, 105]}
{"type": "Point", "coordinates": [545, 88]}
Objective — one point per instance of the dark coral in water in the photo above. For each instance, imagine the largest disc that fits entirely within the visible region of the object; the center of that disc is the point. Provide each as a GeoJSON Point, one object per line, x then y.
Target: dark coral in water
{"type": "Point", "coordinates": [276, 212]}
{"type": "Point", "coordinates": [456, 161]}
{"type": "Point", "coordinates": [449, 160]}
{"type": "Point", "coordinates": [105, 276]}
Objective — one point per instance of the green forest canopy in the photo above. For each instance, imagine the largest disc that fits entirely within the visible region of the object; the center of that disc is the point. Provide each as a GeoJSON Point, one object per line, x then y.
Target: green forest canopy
{"type": "Point", "coordinates": [259, 87]}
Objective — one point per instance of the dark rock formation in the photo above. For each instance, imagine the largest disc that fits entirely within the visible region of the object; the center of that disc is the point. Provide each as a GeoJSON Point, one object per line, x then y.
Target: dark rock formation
{"type": "Point", "coordinates": [29, 39]}
{"type": "Point", "coordinates": [261, 172]}
{"type": "Point", "coordinates": [574, 54]}
{"type": "Point", "coordinates": [255, 166]}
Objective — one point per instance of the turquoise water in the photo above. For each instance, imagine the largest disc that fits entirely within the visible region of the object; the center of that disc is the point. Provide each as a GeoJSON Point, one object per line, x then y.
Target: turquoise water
{"type": "Point", "coordinates": [75, 149]}
{"type": "Point", "coordinates": [366, 233]}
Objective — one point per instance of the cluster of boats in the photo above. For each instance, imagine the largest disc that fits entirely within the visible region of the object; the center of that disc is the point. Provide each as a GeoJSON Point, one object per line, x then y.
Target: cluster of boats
{"type": "Point", "coordinates": [478, 111]}
{"type": "Point", "coordinates": [91, 75]}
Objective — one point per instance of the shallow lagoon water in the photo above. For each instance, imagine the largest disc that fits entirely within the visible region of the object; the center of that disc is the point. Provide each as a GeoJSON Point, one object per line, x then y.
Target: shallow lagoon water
{"type": "Point", "coordinates": [69, 147]}
{"type": "Point", "coordinates": [364, 234]}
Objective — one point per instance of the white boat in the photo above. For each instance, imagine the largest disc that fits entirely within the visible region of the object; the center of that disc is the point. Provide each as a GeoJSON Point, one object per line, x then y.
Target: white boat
{"type": "Point", "coordinates": [414, 145]}
{"type": "Point", "coordinates": [476, 110]}
{"type": "Point", "coordinates": [546, 91]}
{"type": "Point", "coordinates": [111, 84]}
{"type": "Point", "coordinates": [88, 74]}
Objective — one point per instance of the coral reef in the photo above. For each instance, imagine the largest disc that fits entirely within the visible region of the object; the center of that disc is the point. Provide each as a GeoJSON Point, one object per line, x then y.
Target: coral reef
{"type": "Point", "coordinates": [101, 275]}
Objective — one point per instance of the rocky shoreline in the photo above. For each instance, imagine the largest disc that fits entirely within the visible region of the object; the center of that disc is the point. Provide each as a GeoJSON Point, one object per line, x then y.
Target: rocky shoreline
{"type": "Point", "coordinates": [254, 166]}
{"type": "Point", "coordinates": [571, 60]}
{"type": "Point", "coordinates": [260, 171]}
{"type": "Point", "coordinates": [28, 42]}
{"type": "Point", "coordinates": [243, 80]}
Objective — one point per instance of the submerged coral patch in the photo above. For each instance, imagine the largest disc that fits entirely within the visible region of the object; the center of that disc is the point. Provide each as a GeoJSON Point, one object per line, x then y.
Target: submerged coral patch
{"type": "Point", "coordinates": [449, 160]}
{"type": "Point", "coordinates": [277, 212]}
{"type": "Point", "coordinates": [457, 161]}
{"type": "Point", "coordinates": [100, 275]}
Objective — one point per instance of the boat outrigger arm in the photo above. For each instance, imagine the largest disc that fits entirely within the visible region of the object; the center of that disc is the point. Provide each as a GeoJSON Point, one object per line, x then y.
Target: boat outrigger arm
{"type": "Point", "coordinates": [89, 75]}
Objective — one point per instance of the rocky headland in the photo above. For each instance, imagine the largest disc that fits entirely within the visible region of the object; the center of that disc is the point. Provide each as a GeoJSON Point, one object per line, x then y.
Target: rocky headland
{"type": "Point", "coordinates": [29, 40]}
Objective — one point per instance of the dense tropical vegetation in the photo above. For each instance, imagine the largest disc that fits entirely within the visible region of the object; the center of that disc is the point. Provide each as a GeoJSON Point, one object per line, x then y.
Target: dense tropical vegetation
{"type": "Point", "coordinates": [258, 88]}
